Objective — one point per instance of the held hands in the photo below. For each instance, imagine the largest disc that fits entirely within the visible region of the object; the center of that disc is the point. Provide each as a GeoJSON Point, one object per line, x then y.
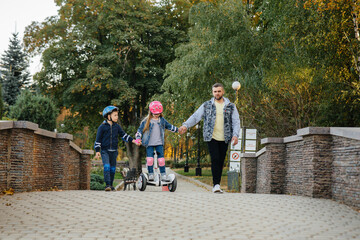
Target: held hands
{"type": "Point", "coordinates": [97, 155]}
{"type": "Point", "coordinates": [234, 141]}
{"type": "Point", "coordinates": [182, 129]}
{"type": "Point", "coordinates": [137, 142]}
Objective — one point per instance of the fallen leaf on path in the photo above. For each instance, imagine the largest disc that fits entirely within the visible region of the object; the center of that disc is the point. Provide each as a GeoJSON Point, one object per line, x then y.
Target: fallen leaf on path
{"type": "Point", "coordinates": [9, 192]}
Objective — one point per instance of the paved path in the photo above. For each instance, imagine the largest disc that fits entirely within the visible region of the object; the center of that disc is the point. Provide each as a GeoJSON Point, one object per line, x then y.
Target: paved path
{"type": "Point", "coordinates": [191, 212]}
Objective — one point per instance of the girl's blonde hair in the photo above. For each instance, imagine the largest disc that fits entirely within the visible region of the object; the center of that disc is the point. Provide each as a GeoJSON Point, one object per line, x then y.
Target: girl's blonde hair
{"type": "Point", "coordinates": [147, 119]}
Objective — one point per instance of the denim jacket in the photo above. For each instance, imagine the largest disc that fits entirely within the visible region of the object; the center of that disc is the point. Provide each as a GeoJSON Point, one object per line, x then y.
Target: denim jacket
{"type": "Point", "coordinates": [207, 111]}
{"type": "Point", "coordinates": [145, 138]}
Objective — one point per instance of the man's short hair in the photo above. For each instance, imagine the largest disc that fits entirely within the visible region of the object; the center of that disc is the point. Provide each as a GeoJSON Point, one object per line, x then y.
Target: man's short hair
{"type": "Point", "coordinates": [217, 85]}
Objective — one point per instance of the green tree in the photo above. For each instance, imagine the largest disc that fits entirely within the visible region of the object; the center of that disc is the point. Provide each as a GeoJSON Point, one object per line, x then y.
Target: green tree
{"type": "Point", "coordinates": [1, 103]}
{"type": "Point", "coordinates": [337, 55]}
{"type": "Point", "coordinates": [221, 43]}
{"type": "Point", "coordinates": [314, 38]}
{"type": "Point", "coordinates": [294, 62]}
{"type": "Point", "coordinates": [35, 108]}
{"type": "Point", "coordinates": [13, 67]}
{"type": "Point", "coordinates": [97, 53]}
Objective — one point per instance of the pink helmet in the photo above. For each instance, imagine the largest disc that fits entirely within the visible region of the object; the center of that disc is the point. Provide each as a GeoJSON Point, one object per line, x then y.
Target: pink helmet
{"type": "Point", "coordinates": [156, 107]}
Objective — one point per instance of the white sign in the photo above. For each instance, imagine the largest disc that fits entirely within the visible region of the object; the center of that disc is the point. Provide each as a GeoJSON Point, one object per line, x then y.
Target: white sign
{"type": "Point", "coordinates": [251, 134]}
{"type": "Point", "coordinates": [250, 145]}
{"type": "Point", "coordinates": [235, 156]}
{"type": "Point", "coordinates": [237, 146]}
{"type": "Point", "coordinates": [234, 166]}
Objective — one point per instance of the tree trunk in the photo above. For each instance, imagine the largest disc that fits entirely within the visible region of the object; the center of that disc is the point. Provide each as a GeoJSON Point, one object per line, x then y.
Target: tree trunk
{"type": "Point", "coordinates": [175, 155]}
{"type": "Point", "coordinates": [181, 151]}
{"type": "Point", "coordinates": [355, 20]}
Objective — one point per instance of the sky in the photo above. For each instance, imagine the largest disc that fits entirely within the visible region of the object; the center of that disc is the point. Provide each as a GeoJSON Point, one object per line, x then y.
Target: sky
{"type": "Point", "coordinates": [15, 15]}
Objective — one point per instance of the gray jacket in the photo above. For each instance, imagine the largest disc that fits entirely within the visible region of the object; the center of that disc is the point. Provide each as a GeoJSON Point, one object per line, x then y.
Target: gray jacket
{"type": "Point", "coordinates": [207, 111]}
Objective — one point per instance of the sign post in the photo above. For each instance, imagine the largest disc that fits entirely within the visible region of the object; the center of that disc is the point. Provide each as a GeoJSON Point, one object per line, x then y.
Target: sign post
{"type": "Point", "coordinates": [247, 143]}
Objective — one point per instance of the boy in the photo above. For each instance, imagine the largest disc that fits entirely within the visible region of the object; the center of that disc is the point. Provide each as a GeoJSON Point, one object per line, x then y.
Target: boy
{"type": "Point", "coordinates": [106, 144]}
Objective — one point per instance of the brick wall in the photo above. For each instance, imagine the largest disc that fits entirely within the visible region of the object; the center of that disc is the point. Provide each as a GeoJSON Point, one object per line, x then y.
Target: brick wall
{"type": "Point", "coordinates": [317, 162]}
{"type": "Point", "coordinates": [36, 159]}
{"type": "Point", "coordinates": [42, 171]}
{"type": "Point", "coordinates": [271, 168]}
{"type": "Point", "coordinates": [296, 168]}
{"type": "Point", "coordinates": [346, 168]}
{"type": "Point", "coordinates": [263, 173]}
{"type": "Point", "coordinates": [248, 170]}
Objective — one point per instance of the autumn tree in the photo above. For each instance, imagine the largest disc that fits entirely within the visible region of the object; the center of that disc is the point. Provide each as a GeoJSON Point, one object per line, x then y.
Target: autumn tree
{"type": "Point", "coordinates": [97, 53]}
{"type": "Point", "coordinates": [335, 52]}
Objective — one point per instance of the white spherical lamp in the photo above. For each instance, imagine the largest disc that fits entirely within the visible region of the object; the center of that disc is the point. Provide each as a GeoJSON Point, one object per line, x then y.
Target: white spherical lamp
{"type": "Point", "coordinates": [236, 85]}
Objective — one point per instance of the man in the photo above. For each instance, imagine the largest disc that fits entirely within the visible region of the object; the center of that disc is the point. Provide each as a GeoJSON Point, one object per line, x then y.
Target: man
{"type": "Point", "coordinates": [221, 125]}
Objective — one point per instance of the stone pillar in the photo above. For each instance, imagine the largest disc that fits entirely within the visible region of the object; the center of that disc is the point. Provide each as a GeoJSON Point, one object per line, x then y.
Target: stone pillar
{"type": "Point", "coordinates": [60, 161]}
{"type": "Point", "coordinates": [271, 167]}
{"type": "Point", "coordinates": [346, 166]}
{"type": "Point", "coordinates": [21, 156]}
{"type": "Point", "coordinates": [248, 172]}
{"type": "Point", "coordinates": [5, 163]}
{"type": "Point", "coordinates": [85, 168]}
{"type": "Point", "coordinates": [43, 171]}
{"type": "Point", "coordinates": [317, 153]}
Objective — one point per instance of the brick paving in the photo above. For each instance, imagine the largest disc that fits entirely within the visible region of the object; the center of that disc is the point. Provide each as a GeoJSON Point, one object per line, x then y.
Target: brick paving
{"type": "Point", "coordinates": [192, 212]}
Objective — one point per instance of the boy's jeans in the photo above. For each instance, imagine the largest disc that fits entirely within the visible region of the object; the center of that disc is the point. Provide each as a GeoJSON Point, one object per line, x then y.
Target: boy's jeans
{"type": "Point", "coordinates": [109, 163]}
{"type": "Point", "coordinates": [160, 154]}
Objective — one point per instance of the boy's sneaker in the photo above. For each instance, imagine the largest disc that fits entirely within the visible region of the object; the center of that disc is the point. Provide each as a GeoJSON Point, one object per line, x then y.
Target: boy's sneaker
{"type": "Point", "coordinates": [107, 188]}
{"type": "Point", "coordinates": [151, 177]}
{"type": "Point", "coordinates": [217, 189]}
{"type": "Point", "coordinates": [165, 178]}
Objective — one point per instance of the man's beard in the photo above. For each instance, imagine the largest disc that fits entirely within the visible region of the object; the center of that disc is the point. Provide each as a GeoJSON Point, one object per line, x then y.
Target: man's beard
{"type": "Point", "coordinates": [218, 98]}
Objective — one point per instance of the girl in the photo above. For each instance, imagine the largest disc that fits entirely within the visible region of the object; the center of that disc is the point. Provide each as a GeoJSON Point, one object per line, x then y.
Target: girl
{"type": "Point", "coordinates": [151, 133]}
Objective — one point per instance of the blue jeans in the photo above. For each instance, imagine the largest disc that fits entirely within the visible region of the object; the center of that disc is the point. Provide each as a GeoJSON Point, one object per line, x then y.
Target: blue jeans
{"type": "Point", "coordinates": [109, 163]}
{"type": "Point", "coordinates": [160, 154]}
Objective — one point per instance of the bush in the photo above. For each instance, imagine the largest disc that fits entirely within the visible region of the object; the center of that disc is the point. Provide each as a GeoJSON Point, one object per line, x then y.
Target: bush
{"type": "Point", "coordinates": [35, 108]}
{"type": "Point", "coordinates": [96, 178]}
{"type": "Point", "coordinates": [96, 182]}
{"type": "Point", "coordinates": [96, 186]}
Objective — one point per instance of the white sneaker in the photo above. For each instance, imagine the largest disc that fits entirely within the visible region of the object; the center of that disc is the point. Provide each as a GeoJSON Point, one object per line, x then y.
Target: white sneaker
{"type": "Point", "coordinates": [217, 189]}
{"type": "Point", "coordinates": [151, 177]}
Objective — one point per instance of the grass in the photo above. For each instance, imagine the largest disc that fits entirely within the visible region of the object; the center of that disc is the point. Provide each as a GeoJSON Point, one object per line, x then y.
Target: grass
{"type": "Point", "coordinates": [100, 171]}
{"type": "Point", "coordinates": [206, 176]}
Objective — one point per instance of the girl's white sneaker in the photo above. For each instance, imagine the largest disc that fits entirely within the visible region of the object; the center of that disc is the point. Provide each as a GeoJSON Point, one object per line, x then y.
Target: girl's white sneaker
{"type": "Point", "coordinates": [151, 177]}
{"type": "Point", "coordinates": [165, 178]}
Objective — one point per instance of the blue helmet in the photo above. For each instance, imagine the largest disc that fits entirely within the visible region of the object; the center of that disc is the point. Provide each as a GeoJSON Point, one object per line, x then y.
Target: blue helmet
{"type": "Point", "coordinates": [108, 110]}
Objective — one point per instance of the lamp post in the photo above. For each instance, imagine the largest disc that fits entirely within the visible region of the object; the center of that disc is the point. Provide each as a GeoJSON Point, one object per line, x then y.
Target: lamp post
{"type": "Point", "coordinates": [198, 168]}
{"type": "Point", "coordinates": [186, 167]}
{"type": "Point", "coordinates": [236, 175]}
{"type": "Point", "coordinates": [236, 86]}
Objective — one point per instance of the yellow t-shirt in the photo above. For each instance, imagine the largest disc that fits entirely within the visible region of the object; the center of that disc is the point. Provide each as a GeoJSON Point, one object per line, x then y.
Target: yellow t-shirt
{"type": "Point", "coordinates": [218, 133]}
